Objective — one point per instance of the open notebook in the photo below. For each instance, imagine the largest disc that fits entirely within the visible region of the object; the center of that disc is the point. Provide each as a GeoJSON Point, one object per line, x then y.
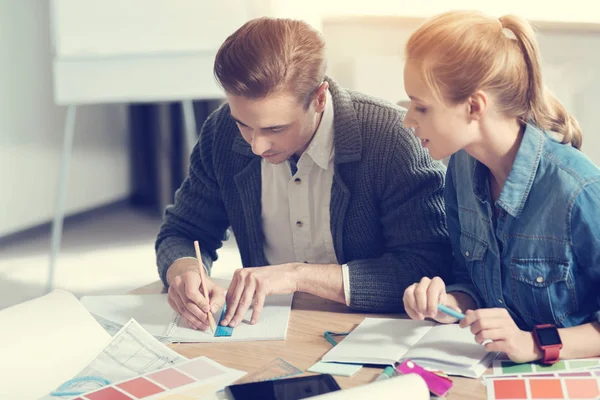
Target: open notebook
{"type": "Point", "coordinates": [152, 311]}
{"type": "Point", "coordinates": [384, 341]}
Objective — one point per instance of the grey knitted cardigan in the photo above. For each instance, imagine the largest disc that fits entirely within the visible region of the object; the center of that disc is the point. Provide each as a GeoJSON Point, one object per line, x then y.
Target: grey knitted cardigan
{"type": "Point", "coordinates": [387, 210]}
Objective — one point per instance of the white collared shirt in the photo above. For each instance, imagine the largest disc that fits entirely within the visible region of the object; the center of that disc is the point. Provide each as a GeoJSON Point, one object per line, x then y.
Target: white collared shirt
{"type": "Point", "coordinates": [295, 209]}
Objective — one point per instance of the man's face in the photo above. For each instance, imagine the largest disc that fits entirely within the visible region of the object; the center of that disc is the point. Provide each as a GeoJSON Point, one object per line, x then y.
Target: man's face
{"type": "Point", "coordinates": [278, 125]}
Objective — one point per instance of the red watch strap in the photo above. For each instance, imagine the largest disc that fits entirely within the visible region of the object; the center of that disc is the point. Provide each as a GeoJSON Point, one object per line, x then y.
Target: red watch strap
{"type": "Point", "coordinates": [551, 354]}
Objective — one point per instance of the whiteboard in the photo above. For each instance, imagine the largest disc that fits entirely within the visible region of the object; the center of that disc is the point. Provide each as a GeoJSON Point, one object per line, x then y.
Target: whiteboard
{"type": "Point", "coordinates": [84, 28]}
{"type": "Point", "coordinates": [162, 77]}
{"type": "Point", "coordinates": [140, 50]}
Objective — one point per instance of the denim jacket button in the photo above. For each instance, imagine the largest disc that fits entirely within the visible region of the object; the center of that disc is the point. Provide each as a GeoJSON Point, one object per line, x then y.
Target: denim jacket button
{"type": "Point", "coordinates": [539, 279]}
{"type": "Point", "coordinates": [467, 253]}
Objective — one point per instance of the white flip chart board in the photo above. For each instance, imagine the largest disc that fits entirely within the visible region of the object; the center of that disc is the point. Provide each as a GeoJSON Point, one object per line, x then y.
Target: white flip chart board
{"type": "Point", "coordinates": [140, 50]}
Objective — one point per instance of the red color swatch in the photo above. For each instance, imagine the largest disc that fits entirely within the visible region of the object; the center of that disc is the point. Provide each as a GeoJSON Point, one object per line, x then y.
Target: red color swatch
{"type": "Point", "coordinates": [510, 389]}
{"type": "Point", "coordinates": [140, 387]}
{"type": "Point", "coordinates": [108, 393]}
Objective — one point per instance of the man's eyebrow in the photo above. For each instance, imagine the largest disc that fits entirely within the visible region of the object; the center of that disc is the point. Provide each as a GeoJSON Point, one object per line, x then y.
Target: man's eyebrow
{"type": "Point", "coordinates": [266, 128]}
{"type": "Point", "coordinates": [276, 126]}
{"type": "Point", "coordinates": [238, 121]}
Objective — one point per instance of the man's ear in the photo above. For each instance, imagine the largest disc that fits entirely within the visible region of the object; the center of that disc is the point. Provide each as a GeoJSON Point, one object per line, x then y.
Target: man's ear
{"type": "Point", "coordinates": [320, 99]}
{"type": "Point", "coordinates": [478, 103]}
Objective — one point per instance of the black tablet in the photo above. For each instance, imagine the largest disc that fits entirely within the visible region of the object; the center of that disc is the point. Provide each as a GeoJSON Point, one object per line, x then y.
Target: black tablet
{"type": "Point", "coordinates": [283, 389]}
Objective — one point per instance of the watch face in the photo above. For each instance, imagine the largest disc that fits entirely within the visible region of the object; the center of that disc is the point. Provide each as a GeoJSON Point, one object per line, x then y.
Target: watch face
{"type": "Point", "coordinates": [548, 336]}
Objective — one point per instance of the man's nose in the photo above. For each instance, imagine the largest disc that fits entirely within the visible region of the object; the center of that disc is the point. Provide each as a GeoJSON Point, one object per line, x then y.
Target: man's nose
{"type": "Point", "coordinates": [260, 144]}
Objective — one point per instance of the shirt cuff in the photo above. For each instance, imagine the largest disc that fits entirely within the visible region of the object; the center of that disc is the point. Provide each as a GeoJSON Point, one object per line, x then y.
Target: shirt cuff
{"type": "Point", "coordinates": [194, 258]}
{"type": "Point", "coordinates": [346, 280]}
{"type": "Point", "coordinates": [597, 316]}
{"type": "Point", "coordinates": [466, 288]}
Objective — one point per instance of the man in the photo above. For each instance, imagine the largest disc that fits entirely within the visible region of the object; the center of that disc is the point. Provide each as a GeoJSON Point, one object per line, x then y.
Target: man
{"type": "Point", "coordinates": [324, 189]}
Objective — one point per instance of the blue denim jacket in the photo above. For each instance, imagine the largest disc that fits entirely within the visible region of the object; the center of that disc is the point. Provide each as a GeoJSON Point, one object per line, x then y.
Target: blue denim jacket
{"type": "Point", "coordinates": [539, 257]}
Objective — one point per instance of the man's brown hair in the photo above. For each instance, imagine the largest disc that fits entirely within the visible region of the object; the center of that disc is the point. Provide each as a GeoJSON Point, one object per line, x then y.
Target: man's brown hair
{"type": "Point", "coordinates": [269, 55]}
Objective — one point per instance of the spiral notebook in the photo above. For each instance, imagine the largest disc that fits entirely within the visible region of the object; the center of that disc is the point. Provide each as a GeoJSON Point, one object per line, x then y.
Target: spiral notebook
{"type": "Point", "coordinates": [153, 312]}
{"type": "Point", "coordinates": [385, 341]}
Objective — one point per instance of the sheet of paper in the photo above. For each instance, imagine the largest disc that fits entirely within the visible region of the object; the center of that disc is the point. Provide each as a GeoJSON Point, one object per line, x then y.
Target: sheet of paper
{"type": "Point", "coordinates": [156, 316]}
{"type": "Point", "coordinates": [131, 352]}
{"type": "Point", "coordinates": [335, 368]}
{"type": "Point", "coordinates": [378, 341]}
{"type": "Point", "coordinates": [44, 342]}
{"type": "Point", "coordinates": [151, 311]}
{"type": "Point", "coordinates": [410, 386]}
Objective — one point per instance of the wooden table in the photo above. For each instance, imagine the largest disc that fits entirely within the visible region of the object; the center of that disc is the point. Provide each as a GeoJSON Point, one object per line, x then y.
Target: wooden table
{"type": "Point", "coordinates": [305, 344]}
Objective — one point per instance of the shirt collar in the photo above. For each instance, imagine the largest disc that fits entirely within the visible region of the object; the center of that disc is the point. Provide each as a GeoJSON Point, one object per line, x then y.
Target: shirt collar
{"type": "Point", "coordinates": [320, 149]}
{"type": "Point", "coordinates": [520, 179]}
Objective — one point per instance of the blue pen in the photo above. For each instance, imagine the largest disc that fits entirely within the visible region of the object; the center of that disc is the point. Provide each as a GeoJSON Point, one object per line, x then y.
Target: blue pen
{"type": "Point", "coordinates": [450, 312]}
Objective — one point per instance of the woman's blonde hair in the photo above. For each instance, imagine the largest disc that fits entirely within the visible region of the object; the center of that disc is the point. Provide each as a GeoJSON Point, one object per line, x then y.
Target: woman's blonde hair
{"type": "Point", "coordinates": [461, 52]}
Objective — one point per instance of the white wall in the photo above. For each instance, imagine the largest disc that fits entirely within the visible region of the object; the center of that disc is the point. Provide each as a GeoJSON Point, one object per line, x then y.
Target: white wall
{"type": "Point", "coordinates": [366, 55]}
{"type": "Point", "coordinates": [31, 129]}
{"type": "Point", "coordinates": [578, 11]}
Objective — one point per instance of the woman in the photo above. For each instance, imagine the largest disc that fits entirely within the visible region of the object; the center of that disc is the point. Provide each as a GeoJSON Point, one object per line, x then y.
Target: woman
{"type": "Point", "coordinates": [523, 203]}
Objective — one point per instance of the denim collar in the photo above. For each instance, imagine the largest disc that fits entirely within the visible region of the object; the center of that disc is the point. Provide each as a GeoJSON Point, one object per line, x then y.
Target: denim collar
{"type": "Point", "coordinates": [520, 179]}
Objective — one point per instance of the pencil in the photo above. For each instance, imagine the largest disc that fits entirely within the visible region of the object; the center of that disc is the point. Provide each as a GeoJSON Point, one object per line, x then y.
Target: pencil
{"type": "Point", "coordinates": [211, 319]}
{"type": "Point", "coordinates": [450, 312]}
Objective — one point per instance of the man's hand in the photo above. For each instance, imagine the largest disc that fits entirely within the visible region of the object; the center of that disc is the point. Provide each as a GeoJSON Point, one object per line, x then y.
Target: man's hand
{"type": "Point", "coordinates": [185, 293]}
{"type": "Point", "coordinates": [250, 286]}
{"type": "Point", "coordinates": [496, 324]}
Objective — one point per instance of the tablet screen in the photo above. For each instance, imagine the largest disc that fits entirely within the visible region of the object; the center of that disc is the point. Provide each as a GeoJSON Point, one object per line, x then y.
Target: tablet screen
{"type": "Point", "coordinates": [283, 389]}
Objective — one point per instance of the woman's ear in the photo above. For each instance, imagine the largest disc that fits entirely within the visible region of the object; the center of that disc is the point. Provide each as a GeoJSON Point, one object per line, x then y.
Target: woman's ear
{"type": "Point", "coordinates": [478, 103]}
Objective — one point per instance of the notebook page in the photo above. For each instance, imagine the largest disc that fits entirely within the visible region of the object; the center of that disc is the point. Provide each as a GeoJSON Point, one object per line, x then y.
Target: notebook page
{"type": "Point", "coordinates": [44, 342]}
{"type": "Point", "coordinates": [154, 314]}
{"type": "Point", "coordinates": [272, 325]}
{"type": "Point", "coordinates": [451, 349]}
{"type": "Point", "coordinates": [379, 341]}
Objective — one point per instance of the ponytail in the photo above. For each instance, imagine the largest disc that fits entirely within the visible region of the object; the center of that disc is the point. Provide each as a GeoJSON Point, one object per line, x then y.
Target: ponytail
{"type": "Point", "coordinates": [544, 108]}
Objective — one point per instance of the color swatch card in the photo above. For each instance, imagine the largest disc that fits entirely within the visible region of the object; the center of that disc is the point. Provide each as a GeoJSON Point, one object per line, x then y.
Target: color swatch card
{"type": "Point", "coordinates": [199, 378]}
{"type": "Point", "coordinates": [130, 353]}
{"type": "Point", "coordinates": [507, 367]}
{"type": "Point", "coordinates": [156, 316]}
{"type": "Point", "coordinates": [584, 385]}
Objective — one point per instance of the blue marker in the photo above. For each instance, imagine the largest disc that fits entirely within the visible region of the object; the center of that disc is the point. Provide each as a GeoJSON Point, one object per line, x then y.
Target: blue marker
{"type": "Point", "coordinates": [388, 372]}
{"type": "Point", "coordinates": [450, 312]}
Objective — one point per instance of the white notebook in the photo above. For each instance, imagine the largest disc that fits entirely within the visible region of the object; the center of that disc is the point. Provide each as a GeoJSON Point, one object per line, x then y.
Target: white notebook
{"type": "Point", "coordinates": [152, 311]}
{"type": "Point", "coordinates": [385, 341]}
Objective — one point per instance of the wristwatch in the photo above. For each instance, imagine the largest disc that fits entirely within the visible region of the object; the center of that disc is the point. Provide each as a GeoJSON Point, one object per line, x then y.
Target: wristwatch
{"type": "Point", "coordinates": [547, 339]}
